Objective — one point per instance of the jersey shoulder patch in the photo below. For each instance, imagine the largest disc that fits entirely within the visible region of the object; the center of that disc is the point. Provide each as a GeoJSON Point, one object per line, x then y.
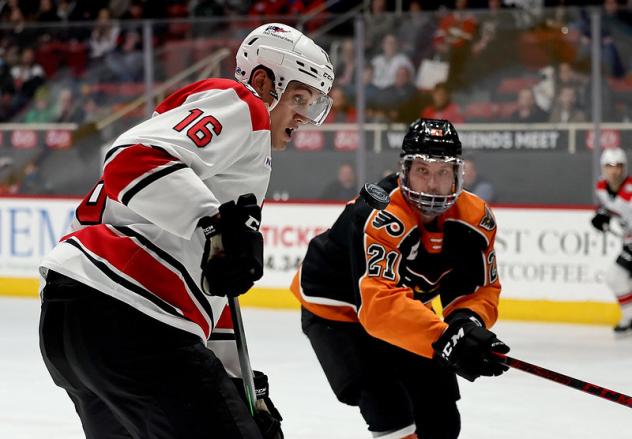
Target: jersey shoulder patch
{"type": "Point", "coordinates": [488, 222]}
{"type": "Point", "coordinates": [392, 223]}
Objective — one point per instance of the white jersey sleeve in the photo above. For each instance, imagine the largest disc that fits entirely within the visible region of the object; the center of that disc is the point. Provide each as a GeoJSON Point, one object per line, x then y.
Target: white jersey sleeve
{"type": "Point", "coordinates": [206, 144]}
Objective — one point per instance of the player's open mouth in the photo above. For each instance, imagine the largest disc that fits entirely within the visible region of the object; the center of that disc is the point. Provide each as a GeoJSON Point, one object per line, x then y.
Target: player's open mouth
{"type": "Point", "coordinates": [289, 132]}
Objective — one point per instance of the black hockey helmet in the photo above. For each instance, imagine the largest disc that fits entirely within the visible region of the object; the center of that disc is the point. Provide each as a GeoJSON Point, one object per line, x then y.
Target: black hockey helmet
{"type": "Point", "coordinates": [432, 141]}
{"type": "Point", "coordinates": [432, 137]}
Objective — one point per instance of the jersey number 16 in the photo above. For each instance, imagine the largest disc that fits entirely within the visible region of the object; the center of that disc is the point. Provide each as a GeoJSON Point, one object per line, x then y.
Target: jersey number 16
{"type": "Point", "coordinates": [199, 127]}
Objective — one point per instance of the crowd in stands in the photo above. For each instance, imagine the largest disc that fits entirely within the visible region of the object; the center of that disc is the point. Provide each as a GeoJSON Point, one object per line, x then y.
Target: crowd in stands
{"type": "Point", "coordinates": [491, 64]}
{"type": "Point", "coordinates": [514, 61]}
{"type": "Point", "coordinates": [466, 60]}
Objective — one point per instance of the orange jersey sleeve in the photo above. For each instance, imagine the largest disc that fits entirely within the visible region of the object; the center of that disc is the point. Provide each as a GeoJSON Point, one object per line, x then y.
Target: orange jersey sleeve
{"type": "Point", "coordinates": [472, 214]}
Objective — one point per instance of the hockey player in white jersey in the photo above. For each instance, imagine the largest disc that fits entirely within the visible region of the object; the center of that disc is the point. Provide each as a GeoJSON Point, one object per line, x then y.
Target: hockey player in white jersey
{"type": "Point", "coordinates": [132, 295]}
{"type": "Point", "coordinates": [614, 192]}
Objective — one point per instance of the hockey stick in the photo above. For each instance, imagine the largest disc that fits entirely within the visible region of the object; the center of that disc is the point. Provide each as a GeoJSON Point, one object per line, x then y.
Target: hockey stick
{"type": "Point", "coordinates": [565, 380]}
{"type": "Point", "coordinates": [242, 352]}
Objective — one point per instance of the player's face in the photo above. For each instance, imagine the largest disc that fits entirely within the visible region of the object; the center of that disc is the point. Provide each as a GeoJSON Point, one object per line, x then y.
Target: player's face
{"type": "Point", "coordinates": [431, 177]}
{"type": "Point", "coordinates": [614, 174]}
{"type": "Point", "coordinates": [284, 118]}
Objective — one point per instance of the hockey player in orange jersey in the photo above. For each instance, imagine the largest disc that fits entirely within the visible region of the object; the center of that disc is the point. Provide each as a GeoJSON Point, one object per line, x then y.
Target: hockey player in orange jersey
{"type": "Point", "coordinates": [366, 287]}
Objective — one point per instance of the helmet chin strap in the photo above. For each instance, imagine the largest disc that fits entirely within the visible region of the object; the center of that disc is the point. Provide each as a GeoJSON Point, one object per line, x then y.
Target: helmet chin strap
{"type": "Point", "coordinates": [275, 100]}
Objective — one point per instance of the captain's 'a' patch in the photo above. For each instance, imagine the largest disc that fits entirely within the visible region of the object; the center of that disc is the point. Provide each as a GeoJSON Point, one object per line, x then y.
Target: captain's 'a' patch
{"type": "Point", "coordinates": [488, 222]}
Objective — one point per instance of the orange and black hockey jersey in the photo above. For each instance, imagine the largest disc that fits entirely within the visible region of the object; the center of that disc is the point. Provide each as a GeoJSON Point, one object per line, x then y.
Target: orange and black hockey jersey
{"type": "Point", "coordinates": [383, 268]}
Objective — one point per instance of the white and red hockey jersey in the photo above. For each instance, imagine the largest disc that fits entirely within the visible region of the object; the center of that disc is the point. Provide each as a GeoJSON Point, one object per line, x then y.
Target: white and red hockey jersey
{"type": "Point", "coordinates": [134, 236]}
{"type": "Point", "coordinates": [618, 205]}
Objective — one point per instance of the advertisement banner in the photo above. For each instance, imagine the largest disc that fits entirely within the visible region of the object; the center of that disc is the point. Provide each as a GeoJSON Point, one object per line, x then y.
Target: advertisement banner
{"type": "Point", "coordinates": [543, 253]}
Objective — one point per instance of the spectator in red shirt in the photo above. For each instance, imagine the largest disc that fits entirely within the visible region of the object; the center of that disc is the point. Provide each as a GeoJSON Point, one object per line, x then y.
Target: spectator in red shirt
{"type": "Point", "coordinates": [453, 40]}
{"type": "Point", "coordinates": [442, 107]}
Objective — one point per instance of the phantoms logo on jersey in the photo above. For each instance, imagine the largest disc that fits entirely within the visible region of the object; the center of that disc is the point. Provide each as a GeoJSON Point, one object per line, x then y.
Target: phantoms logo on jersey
{"type": "Point", "coordinates": [488, 222]}
{"type": "Point", "coordinates": [394, 226]}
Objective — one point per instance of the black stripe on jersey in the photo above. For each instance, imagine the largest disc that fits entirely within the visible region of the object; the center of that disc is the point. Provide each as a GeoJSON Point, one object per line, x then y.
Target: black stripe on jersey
{"type": "Point", "coordinates": [111, 152]}
{"type": "Point", "coordinates": [149, 180]}
{"type": "Point", "coordinates": [215, 336]}
{"type": "Point", "coordinates": [124, 282]}
{"type": "Point", "coordinates": [166, 257]}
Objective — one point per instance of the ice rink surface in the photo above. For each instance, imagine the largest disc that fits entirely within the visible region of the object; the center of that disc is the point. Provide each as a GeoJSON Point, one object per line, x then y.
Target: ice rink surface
{"type": "Point", "coordinates": [515, 405]}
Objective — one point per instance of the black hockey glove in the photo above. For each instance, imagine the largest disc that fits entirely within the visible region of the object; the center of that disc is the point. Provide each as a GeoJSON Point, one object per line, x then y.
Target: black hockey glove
{"type": "Point", "coordinates": [601, 220]}
{"type": "Point", "coordinates": [233, 263]}
{"type": "Point", "coordinates": [266, 416]}
{"type": "Point", "coordinates": [467, 347]}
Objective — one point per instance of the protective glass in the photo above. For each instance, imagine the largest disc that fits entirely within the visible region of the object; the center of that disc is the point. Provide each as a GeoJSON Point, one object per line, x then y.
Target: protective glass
{"type": "Point", "coordinates": [310, 103]}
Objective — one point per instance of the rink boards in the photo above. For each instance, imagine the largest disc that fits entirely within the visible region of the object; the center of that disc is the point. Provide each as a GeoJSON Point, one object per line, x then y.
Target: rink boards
{"type": "Point", "coordinates": [551, 263]}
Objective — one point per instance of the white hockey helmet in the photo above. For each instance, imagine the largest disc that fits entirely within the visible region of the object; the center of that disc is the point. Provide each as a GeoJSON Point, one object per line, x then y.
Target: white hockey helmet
{"type": "Point", "coordinates": [613, 156]}
{"type": "Point", "coordinates": [290, 56]}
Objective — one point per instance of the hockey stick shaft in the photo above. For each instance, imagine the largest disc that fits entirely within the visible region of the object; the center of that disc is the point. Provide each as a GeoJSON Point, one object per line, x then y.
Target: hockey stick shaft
{"type": "Point", "coordinates": [565, 380]}
{"type": "Point", "coordinates": [242, 351]}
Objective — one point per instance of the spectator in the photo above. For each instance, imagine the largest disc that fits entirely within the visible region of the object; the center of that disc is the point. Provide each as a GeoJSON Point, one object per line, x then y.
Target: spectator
{"type": "Point", "coordinates": [401, 101]}
{"type": "Point", "coordinates": [345, 65]}
{"type": "Point", "coordinates": [453, 39]}
{"type": "Point", "coordinates": [386, 64]}
{"type": "Point", "coordinates": [41, 111]}
{"type": "Point", "coordinates": [46, 12]}
{"type": "Point", "coordinates": [568, 77]}
{"type": "Point", "coordinates": [32, 181]}
{"type": "Point", "coordinates": [442, 107]}
{"type": "Point", "coordinates": [67, 110]}
{"type": "Point", "coordinates": [208, 8]}
{"type": "Point", "coordinates": [565, 108]}
{"type": "Point", "coordinates": [104, 35]}
{"type": "Point", "coordinates": [371, 93]}
{"type": "Point", "coordinates": [7, 92]}
{"type": "Point", "coordinates": [378, 23]}
{"type": "Point", "coordinates": [475, 184]}
{"type": "Point", "coordinates": [493, 43]}
{"type": "Point", "coordinates": [527, 111]}
{"type": "Point", "coordinates": [344, 187]}
{"type": "Point", "coordinates": [613, 29]}
{"type": "Point", "coordinates": [28, 75]}
{"type": "Point", "coordinates": [416, 28]}
{"type": "Point", "coordinates": [126, 61]}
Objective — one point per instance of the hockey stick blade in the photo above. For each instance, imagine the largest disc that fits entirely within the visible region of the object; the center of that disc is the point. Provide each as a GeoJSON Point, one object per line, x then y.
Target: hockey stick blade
{"type": "Point", "coordinates": [565, 380]}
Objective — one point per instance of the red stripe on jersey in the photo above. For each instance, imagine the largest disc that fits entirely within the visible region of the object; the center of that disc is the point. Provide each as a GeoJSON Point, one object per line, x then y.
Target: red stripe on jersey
{"type": "Point", "coordinates": [125, 255]}
{"type": "Point", "coordinates": [131, 163]}
{"type": "Point", "coordinates": [259, 115]}
{"type": "Point", "coordinates": [602, 185]}
{"type": "Point", "coordinates": [624, 190]}
{"type": "Point", "coordinates": [225, 320]}
{"type": "Point", "coordinates": [625, 299]}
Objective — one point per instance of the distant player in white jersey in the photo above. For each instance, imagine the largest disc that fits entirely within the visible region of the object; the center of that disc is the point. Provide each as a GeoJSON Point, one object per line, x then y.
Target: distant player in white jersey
{"type": "Point", "coordinates": [136, 290]}
{"type": "Point", "coordinates": [614, 192]}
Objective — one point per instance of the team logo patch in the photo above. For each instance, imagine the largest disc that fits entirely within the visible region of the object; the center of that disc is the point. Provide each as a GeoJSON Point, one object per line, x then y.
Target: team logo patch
{"type": "Point", "coordinates": [273, 28]}
{"type": "Point", "coordinates": [394, 226]}
{"type": "Point", "coordinates": [488, 222]}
